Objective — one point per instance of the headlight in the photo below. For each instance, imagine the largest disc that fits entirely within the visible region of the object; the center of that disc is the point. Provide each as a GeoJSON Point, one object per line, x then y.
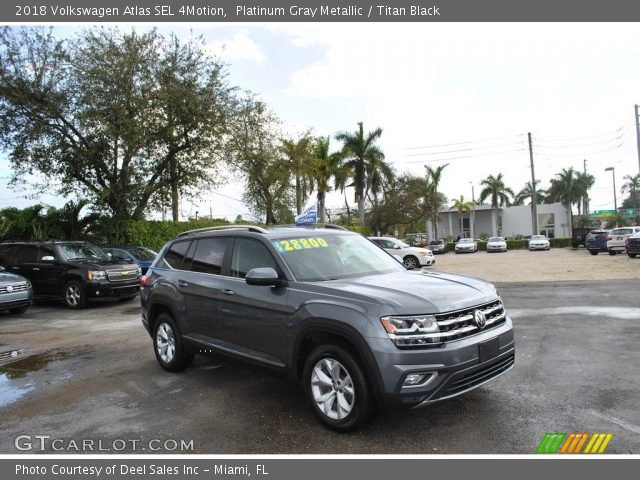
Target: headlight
{"type": "Point", "coordinates": [422, 254]}
{"type": "Point", "coordinates": [412, 331]}
{"type": "Point", "coordinates": [97, 275]}
{"type": "Point", "coordinates": [139, 270]}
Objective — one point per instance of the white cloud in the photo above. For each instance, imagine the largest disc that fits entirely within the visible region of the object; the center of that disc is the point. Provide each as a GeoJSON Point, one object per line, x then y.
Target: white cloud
{"type": "Point", "coordinates": [238, 47]}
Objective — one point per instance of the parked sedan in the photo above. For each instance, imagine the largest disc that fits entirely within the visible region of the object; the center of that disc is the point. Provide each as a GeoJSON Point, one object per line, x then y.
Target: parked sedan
{"type": "Point", "coordinates": [633, 245]}
{"type": "Point", "coordinates": [466, 245]}
{"type": "Point", "coordinates": [496, 244]}
{"type": "Point", "coordinates": [143, 256]}
{"type": "Point", "coordinates": [412, 257]}
{"type": "Point", "coordinates": [16, 293]}
{"type": "Point", "coordinates": [539, 242]}
{"type": "Point", "coordinates": [438, 246]}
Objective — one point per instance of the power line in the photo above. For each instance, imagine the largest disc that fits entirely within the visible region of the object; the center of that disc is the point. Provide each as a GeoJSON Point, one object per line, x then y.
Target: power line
{"type": "Point", "coordinates": [463, 143]}
{"type": "Point", "coordinates": [470, 149]}
{"type": "Point", "coordinates": [431, 160]}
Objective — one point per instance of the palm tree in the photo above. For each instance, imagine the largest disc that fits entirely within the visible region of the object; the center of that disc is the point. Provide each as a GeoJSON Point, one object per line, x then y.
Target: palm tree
{"type": "Point", "coordinates": [527, 194]}
{"type": "Point", "coordinates": [433, 199]}
{"type": "Point", "coordinates": [324, 167]}
{"type": "Point", "coordinates": [584, 182]}
{"type": "Point", "coordinates": [298, 154]}
{"type": "Point", "coordinates": [462, 206]}
{"type": "Point", "coordinates": [632, 185]}
{"type": "Point", "coordinates": [498, 193]}
{"type": "Point", "coordinates": [567, 190]}
{"type": "Point", "coordinates": [362, 153]}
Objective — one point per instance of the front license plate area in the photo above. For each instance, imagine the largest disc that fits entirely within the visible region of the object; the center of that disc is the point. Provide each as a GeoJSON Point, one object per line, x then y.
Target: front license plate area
{"type": "Point", "coordinates": [489, 349]}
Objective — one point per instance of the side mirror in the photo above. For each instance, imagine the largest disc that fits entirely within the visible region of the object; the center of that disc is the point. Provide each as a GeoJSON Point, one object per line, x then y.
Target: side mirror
{"type": "Point", "coordinates": [109, 254]}
{"type": "Point", "coordinates": [396, 247]}
{"type": "Point", "coordinates": [48, 259]}
{"type": "Point", "coordinates": [264, 276]}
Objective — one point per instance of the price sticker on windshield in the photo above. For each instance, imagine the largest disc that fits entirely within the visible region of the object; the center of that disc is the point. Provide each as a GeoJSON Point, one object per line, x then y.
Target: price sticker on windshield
{"type": "Point", "coordinates": [294, 244]}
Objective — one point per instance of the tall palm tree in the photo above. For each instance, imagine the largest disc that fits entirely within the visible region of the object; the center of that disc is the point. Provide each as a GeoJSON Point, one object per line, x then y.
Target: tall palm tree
{"type": "Point", "coordinates": [498, 193]}
{"type": "Point", "coordinates": [527, 194]}
{"type": "Point", "coordinates": [632, 186]}
{"type": "Point", "coordinates": [324, 167]}
{"type": "Point", "coordinates": [298, 153]}
{"type": "Point", "coordinates": [462, 206]}
{"type": "Point", "coordinates": [361, 152]}
{"type": "Point", "coordinates": [433, 199]}
{"type": "Point", "coordinates": [584, 182]}
{"type": "Point", "coordinates": [566, 190]}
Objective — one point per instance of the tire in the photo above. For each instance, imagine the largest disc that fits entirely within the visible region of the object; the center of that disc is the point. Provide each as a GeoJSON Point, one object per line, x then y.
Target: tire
{"type": "Point", "coordinates": [74, 295]}
{"type": "Point", "coordinates": [167, 345]}
{"type": "Point", "coordinates": [21, 310]}
{"type": "Point", "coordinates": [612, 252]}
{"type": "Point", "coordinates": [632, 255]}
{"type": "Point", "coordinates": [593, 252]}
{"type": "Point", "coordinates": [344, 385]}
{"type": "Point", "coordinates": [411, 262]}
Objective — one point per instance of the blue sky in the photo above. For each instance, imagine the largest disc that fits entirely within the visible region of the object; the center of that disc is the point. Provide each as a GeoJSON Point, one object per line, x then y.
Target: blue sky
{"type": "Point", "coordinates": [475, 89]}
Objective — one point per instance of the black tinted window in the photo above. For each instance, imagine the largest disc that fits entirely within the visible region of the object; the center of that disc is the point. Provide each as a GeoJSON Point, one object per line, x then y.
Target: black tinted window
{"type": "Point", "coordinates": [208, 255]}
{"type": "Point", "coordinates": [27, 254]}
{"type": "Point", "coordinates": [175, 255]}
{"type": "Point", "coordinates": [8, 255]}
{"type": "Point", "coordinates": [248, 254]}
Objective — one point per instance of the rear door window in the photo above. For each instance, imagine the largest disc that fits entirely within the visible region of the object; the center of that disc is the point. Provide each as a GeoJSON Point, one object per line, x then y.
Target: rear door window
{"type": "Point", "coordinates": [209, 254]}
{"type": "Point", "coordinates": [27, 254]}
{"type": "Point", "coordinates": [176, 254]}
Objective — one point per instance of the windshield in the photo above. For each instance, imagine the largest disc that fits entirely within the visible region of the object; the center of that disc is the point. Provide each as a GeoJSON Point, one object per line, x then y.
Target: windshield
{"type": "Point", "coordinates": [538, 237]}
{"type": "Point", "coordinates": [466, 240]}
{"type": "Point", "coordinates": [142, 253]}
{"type": "Point", "coordinates": [81, 251]}
{"type": "Point", "coordinates": [436, 242]}
{"type": "Point", "coordinates": [402, 244]}
{"type": "Point", "coordinates": [496, 239]}
{"type": "Point", "coordinates": [314, 258]}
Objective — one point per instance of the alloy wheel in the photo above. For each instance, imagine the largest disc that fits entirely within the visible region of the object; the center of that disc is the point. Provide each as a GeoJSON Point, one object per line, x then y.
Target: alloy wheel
{"type": "Point", "coordinates": [166, 342]}
{"type": "Point", "coordinates": [332, 389]}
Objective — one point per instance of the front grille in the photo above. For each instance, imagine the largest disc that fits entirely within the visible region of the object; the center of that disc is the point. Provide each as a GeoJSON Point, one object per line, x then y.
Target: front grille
{"type": "Point", "coordinates": [472, 379]}
{"type": "Point", "coordinates": [14, 288]}
{"type": "Point", "coordinates": [122, 275]}
{"type": "Point", "coordinates": [461, 323]}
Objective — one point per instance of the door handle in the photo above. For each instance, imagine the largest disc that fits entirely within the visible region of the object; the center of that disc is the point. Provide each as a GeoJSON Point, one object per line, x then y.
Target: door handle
{"type": "Point", "coordinates": [226, 291]}
{"type": "Point", "coordinates": [182, 283]}
{"type": "Point", "coordinates": [15, 268]}
{"type": "Point", "coordinates": [35, 269]}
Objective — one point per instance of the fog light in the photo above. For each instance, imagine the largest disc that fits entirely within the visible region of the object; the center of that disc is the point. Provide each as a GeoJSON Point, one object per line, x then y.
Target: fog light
{"type": "Point", "coordinates": [414, 379]}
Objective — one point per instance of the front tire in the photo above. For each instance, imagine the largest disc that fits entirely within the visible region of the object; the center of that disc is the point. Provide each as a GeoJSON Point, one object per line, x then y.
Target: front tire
{"type": "Point", "coordinates": [593, 252]}
{"type": "Point", "coordinates": [74, 295]}
{"type": "Point", "coordinates": [21, 310]}
{"type": "Point", "coordinates": [632, 255]}
{"type": "Point", "coordinates": [411, 262]}
{"type": "Point", "coordinates": [612, 252]}
{"type": "Point", "coordinates": [167, 345]}
{"type": "Point", "coordinates": [337, 388]}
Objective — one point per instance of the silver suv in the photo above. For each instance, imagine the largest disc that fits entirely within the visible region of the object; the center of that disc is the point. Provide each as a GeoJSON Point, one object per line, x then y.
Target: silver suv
{"type": "Point", "coordinates": [16, 293]}
{"type": "Point", "coordinates": [328, 308]}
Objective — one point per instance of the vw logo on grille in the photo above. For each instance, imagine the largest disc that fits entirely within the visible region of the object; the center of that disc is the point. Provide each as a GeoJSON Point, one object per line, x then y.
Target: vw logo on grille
{"type": "Point", "coordinates": [479, 319]}
{"type": "Point", "coordinates": [10, 288]}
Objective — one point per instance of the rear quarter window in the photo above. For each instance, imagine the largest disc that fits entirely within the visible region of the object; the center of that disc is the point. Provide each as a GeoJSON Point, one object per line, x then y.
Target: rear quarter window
{"type": "Point", "coordinates": [176, 254]}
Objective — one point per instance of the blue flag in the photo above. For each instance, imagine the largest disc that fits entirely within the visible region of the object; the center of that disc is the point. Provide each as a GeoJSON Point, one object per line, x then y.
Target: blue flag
{"type": "Point", "coordinates": [309, 216]}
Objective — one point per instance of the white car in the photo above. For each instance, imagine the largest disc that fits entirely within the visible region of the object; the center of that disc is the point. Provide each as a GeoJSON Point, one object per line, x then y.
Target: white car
{"type": "Point", "coordinates": [617, 238]}
{"type": "Point", "coordinates": [466, 245]}
{"type": "Point", "coordinates": [539, 242]}
{"type": "Point", "coordinates": [412, 257]}
{"type": "Point", "coordinates": [496, 244]}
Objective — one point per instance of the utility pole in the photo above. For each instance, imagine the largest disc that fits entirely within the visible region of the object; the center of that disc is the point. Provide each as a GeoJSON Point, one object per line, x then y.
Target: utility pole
{"type": "Point", "coordinates": [534, 195]}
{"type": "Point", "coordinates": [638, 135]}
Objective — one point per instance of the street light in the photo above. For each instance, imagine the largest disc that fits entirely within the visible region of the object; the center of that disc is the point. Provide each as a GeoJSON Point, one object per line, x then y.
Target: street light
{"type": "Point", "coordinates": [615, 198]}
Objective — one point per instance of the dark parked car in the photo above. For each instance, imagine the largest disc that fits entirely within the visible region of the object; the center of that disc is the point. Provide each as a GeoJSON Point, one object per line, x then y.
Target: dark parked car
{"type": "Point", "coordinates": [142, 256]}
{"type": "Point", "coordinates": [579, 236]}
{"type": "Point", "coordinates": [330, 309]}
{"type": "Point", "coordinates": [438, 246]}
{"type": "Point", "coordinates": [73, 271]}
{"type": "Point", "coordinates": [597, 241]}
{"type": "Point", "coordinates": [16, 293]}
{"type": "Point", "coordinates": [633, 245]}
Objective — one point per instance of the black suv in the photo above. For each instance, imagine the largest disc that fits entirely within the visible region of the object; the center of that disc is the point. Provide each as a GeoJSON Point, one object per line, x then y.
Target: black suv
{"type": "Point", "coordinates": [74, 271]}
{"type": "Point", "coordinates": [326, 307]}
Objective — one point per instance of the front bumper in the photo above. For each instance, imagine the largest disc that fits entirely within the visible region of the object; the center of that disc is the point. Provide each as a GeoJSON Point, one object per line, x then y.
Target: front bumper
{"type": "Point", "coordinates": [105, 289]}
{"type": "Point", "coordinates": [539, 247]}
{"type": "Point", "coordinates": [465, 250]}
{"type": "Point", "coordinates": [496, 249]}
{"type": "Point", "coordinates": [426, 261]}
{"type": "Point", "coordinates": [453, 368]}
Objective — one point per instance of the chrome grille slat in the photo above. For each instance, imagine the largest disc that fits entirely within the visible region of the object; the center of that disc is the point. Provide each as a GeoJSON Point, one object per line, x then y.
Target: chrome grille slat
{"type": "Point", "coordinates": [119, 276]}
{"type": "Point", "coordinates": [16, 288]}
{"type": "Point", "coordinates": [460, 323]}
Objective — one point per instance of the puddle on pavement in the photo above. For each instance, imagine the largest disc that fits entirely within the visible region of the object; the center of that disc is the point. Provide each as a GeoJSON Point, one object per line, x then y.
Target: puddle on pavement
{"type": "Point", "coordinates": [12, 375]}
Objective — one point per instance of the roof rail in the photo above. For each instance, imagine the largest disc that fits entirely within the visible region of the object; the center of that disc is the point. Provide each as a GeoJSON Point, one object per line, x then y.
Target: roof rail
{"type": "Point", "coordinates": [315, 225]}
{"type": "Point", "coordinates": [250, 228]}
{"type": "Point", "coordinates": [333, 226]}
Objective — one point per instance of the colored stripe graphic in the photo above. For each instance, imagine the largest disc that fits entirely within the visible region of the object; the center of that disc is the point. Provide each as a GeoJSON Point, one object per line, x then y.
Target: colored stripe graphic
{"type": "Point", "coordinates": [572, 443]}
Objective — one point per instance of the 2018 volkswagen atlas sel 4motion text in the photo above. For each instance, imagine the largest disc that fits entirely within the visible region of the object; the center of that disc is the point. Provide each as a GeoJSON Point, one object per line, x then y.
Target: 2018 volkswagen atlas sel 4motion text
{"type": "Point", "coordinates": [328, 308]}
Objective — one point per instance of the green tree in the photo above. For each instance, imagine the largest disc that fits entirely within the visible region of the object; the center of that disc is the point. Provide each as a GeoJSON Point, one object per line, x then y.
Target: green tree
{"type": "Point", "coordinates": [112, 117]}
{"type": "Point", "coordinates": [399, 204]}
{"type": "Point", "coordinates": [253, 149]}
{"type": "Point", "coordinates": [498, 194]}
{"type": "Point", "coordinates": [527, 194]}
{"type": "Point", "coordinates": [433, 199]}
{"type": "Point", "coordinates": [632, 187]}
{"type": "Point", "coordinates": [299, 153]}
{"type": "Point", "coordinates": [324, 167]}
{"type": "Point", "coordinates": [566, 189]}
{"type": "Point", "coordinates": [362, 155]}
{"type": "Point", "coordinates": [584, 182]}
{"type": "Point", "coordinates": [461, 205]}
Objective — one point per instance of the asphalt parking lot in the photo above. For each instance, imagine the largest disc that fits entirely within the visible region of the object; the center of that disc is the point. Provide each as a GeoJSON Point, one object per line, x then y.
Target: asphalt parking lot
{"type": "Point", "coordinates": [91, 374]}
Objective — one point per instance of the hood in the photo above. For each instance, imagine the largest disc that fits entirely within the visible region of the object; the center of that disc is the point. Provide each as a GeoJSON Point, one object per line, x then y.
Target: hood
{"type": "Point", "coordinates": [104, 265]}
{"type": "Point", "coordinates": [11, 277]}
{"type": "Point", "coordinates": [419, 250]}
{"type": "Point", "coordinates": [416, 292]}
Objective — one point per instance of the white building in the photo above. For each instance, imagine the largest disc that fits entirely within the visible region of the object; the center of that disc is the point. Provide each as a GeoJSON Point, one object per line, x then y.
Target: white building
{"type": "Point", "coordinates": [553, 221]}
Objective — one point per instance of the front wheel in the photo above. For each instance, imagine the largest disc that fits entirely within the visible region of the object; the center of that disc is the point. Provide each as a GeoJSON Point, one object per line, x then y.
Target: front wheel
{"type": "Point", "coordinates": [168, 347]}
{"type": "Point", "coordinates": [411, 262]}
{"type": "Point", "coordinates": [21, 310]}
{"type": "Point", "coordinates": [337, 389]}
{"type": "Point", "coordinates": [74, 295]}
{"type": "Point", "coordinates": [612, 252]}
{"type": "Point", "coordinates": [593, 252]}
{"type": "Point", "coordinates": [632, 255]}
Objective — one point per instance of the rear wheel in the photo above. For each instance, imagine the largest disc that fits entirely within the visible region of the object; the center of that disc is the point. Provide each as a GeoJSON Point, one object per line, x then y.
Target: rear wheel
{"type": "Point", "coordinates": [612, 252]}
{"type": "Point", "coordinates": [337, 389]}
{"type": "Point", "coordinates": [632, 255]}
{"type": "Point", "coordinates": [21, 310]}
{"type": "Point", "coordinates": [168, 346]}
{"type": "Point", "coordinates": [411, 262]}
{"type": "Point", "coordinates": [593, 252]}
